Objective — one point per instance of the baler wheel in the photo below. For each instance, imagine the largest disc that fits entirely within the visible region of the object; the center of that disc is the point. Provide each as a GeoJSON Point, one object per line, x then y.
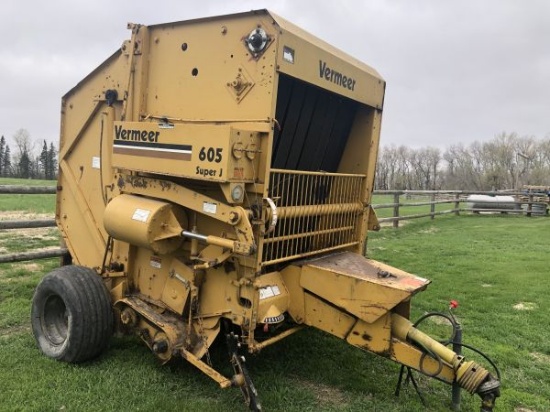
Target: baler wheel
{"type": "Point", "coordinates": [71, 316]}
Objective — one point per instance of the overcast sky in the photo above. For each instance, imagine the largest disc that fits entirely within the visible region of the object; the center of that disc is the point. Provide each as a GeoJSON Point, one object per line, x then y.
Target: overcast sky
{"type": "Point", "coordinates": [456, 71]}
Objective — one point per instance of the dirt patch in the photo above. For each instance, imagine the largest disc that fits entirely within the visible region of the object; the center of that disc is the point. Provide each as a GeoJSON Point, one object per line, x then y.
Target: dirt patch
{"type": "Point", "coordinates": [324, 394]}
{"type": "Point", "coordinates": [525, 306]}
{"type": "Point", "coordinates": [540, 357]}
{"type": "Point", "coordinates": [14, 330]}
{"type": "Point", "coordinates": [520, 409]}
{"type": "Point", "coordinates": [29, 267]}
{"type": "Point", "coordinates": [42, 249]}
{"type": "Point", "coordinates": [433, 229]}
{"type": "Point", "coordinates": [20, 215]}
{"type": "Point", "coordinates": [390, 224]}
{"type": "Point", "coordinates": [41, 233]}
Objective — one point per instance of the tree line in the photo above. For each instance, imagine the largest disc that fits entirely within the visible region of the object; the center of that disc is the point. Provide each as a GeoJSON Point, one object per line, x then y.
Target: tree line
{"type": "Point", "coordinates": [508, 161]}
{"type": "Point", "coordinates": [27, 162]}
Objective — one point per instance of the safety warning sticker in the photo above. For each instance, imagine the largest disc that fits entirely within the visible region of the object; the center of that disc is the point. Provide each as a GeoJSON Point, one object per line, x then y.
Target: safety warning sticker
{"type": "Point", "coordinates": [269, 292]}
{"type": "Point", "coordinates": [141, 215]}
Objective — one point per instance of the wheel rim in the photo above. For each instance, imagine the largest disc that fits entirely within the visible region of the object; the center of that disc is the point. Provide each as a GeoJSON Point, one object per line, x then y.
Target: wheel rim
{"type": "Point", "coordinates": [55, 320]}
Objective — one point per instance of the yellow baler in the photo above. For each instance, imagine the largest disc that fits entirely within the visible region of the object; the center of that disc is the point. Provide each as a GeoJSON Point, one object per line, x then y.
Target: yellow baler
{"type": "Point", "coordinates": [215, 175]}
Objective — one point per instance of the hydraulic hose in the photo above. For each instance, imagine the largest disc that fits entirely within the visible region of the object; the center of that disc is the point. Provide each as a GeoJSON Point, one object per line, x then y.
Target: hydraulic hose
{"type": "Point", "coordinates": [468, 374]}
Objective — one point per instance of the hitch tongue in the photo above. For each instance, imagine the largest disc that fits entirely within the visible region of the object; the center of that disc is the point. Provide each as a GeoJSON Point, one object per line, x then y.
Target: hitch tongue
{"type": "Point", "coordinates": [468, 374]}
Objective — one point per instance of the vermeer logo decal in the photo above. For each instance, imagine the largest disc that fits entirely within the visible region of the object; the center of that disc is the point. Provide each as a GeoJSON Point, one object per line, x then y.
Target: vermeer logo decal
{"type": "Point", "coordinates": [136, 142]}
{"type": "Point", "coordinates": [136, 135]}
{"type": "Point", "coordinates": [331, 75]}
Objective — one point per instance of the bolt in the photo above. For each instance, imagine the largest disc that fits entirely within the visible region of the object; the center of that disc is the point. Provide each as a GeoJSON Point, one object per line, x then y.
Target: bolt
{"type": "Point", "coordinates": [160, 346]}
{"type": "Point", "coordinates": [234, 218]}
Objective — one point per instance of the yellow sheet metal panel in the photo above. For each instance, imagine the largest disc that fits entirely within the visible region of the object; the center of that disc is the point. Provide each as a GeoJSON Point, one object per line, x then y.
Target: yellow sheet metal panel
{"type": "Point", "coordinates": [374, 337]}
{"type": "Point", "coordinates": [361, 286]}
{"type": "Point", "coordinates": [200, 151]}
{"type": "Point", "coordinates": [326, 317]}
{"type": "Point", "coordinates": [79, 207]}
{"type": "Point", "coordinates": [202, 69]}
{"type": "Point", "coordinates": [178, 285]}
{"type": "Point", "coordinates": [296, 308]}
{"type": "Point", "coordinates": [273, 298]}
{"type": "Point", "coordinates": [306, 57]}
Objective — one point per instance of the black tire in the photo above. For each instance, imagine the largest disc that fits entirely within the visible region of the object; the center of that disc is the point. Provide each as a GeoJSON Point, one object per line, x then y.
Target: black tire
{"type": "Point", "coordinates": [71, 316]}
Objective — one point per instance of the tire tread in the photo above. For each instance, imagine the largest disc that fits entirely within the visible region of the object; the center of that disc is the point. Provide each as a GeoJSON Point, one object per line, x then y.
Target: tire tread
{"type": "Point", "coordinates": [88, 301]}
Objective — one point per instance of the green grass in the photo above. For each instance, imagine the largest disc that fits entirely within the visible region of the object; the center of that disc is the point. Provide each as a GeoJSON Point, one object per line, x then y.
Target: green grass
{"type": "Point", "coordinates": [27, 203]}
{"type": "Point", "coordinates": [488, 263]}
{"type": "Point", "coordinates": [492, 265]}
{"type": "Point", "coordinates": [26, 182]}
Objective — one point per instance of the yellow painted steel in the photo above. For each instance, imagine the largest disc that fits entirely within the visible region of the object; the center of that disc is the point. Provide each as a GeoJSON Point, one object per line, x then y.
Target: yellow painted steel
{"type": "Point", "coordinates": [178, 184]}
{"type": "Point", "coordinates": [404, 330]}
{"type": "Point", "coordinates": [145, 222]}
{"type": "Point", "coordinates": [469, 375]}
{"type": "Point", "coordinates": [364, 288]}
{"type": "Point", "coordinates": [352, 298]}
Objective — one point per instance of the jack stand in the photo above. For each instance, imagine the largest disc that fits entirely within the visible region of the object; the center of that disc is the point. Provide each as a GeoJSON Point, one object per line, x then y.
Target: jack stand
{"type": "Point", "coordinates": [411, 378]}
{"type": "Point", "coordinates": [241, 378]}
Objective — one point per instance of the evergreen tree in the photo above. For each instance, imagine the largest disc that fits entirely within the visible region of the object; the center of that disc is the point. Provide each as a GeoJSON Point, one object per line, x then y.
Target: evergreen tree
{"type": "Point", "coordinates": [52, 162]}
{"type": "Point", "coordinates": [6, 162]}
{"type": "Point", "coordinates": [2, 151]}
{"type": "Point", "coordinates": [44, 162]}
{"type": "Point", "coordinates": [34, 167]}
{"type": "Point", "coordinates": [24, 166]}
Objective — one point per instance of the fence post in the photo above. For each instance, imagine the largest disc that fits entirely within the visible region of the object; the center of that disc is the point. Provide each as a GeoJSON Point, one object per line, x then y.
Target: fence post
{"type": "Point", "coordinates": [432, 207]}
{"type": "Point", "coordinates": [396, 209]}
{"type": "Point", "coordinates": [530, 206]}
{"type": "Point", "coordinates": [457, 204]}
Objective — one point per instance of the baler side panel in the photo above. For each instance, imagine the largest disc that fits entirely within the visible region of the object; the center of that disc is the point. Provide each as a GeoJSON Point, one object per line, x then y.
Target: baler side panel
{"type": "Point", "coordinates": [84, 127]}
{"type": "Point", "coordinates": [203, 71]}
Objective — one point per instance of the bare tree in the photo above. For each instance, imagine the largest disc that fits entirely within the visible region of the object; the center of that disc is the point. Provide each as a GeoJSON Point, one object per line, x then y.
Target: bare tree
{"type": "Point", "coordinates": [508, 161]}
{"type": "Point", "coordinates": [23, 159]}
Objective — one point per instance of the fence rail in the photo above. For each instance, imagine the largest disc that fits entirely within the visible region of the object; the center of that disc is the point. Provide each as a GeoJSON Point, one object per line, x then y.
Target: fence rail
{"type": "Point", "coordinates": [528, 204]}
{"type": "Point", "coordinates": [29, 224]}
{"type": "Point", "coordinates": [27, 190]}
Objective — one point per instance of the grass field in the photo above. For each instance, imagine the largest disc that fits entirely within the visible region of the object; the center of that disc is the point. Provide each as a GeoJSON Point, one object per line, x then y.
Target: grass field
{"type": "Point", "coordinates": [37, 204]}
{"type": "Point", "coordinates": [495, 266]}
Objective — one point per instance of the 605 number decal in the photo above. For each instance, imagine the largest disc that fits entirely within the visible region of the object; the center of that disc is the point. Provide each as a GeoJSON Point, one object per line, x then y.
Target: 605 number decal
{"type": "Point", "coordinates": [210, 154]}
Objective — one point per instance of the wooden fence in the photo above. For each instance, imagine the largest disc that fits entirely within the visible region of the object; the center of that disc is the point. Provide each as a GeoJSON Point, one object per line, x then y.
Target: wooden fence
{"type": "Point", "coordinates": [29, 224]}
{"type": "Point", "coordinates": [419, 204]}
{"type": "Point", "coordinates": [528, 204]}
